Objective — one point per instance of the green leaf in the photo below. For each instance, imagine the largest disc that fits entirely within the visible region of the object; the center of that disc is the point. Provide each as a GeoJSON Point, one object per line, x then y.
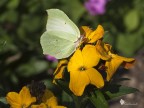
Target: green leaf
{"type": "Point", "coordinates": [131, 20]}
{"type": "Point", "coordinates": [98, 99]}
{"type": "Point", "coordinates": [117, 80]}
{"type": "Point", "coordinates": [66, 97]}
{"type": "Point", "coordinates": [13, 4]}
{"type": "Point", "coordinates": [30, 24]}
{"type": "Point", "coordinates": [129, 43]}
{"type": "Point", "coordinates": [113, 91]}
{"type": "Point", "coordinates": [77, 10]}
{"type": "Point", "coordinates": [3, 2]}
{"type": "Point", "coordinates": [14, 79]}
{"type": "Point", "coordinates": [3, 100]}
{"type": "Point", "coordinates": [33, 67]}
{"type": "Point", "coordinates": [73, 8]}
{"type": "Point", "coordinates": [9, 16]}
{"type": "Point", "coordinates": [48, 83]}
{"type": "Point", "coordinates": [107, 38]}
{"type": "Point", "coordinates": [123, 79]}
{"type": "Point", "coordinates": [64, 85]}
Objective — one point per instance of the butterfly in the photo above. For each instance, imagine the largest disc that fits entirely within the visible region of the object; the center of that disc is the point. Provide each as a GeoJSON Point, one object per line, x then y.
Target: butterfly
{"type": "Point", "coordinates": [61, 37]}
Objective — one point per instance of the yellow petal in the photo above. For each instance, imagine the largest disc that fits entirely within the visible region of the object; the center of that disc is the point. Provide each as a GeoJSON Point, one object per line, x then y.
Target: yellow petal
{"type": "Point", "coordinates": [87, 31]}
{"type": "Point", "coordinates": [78, 82]}
{"type": "Point", "coordinates": [95, 77]}
{"type": "Point", "coordinates": [52, 101]}
{"type": "Point", "coordinates": [42, 105]}
{"type": "Point", "coordinates": [61, 63]}
{"type": "Point", "coordinates": [89, 56]}
{"type": "Point", "coordinates": [14, 100]}
{"type": "Point", "coordinates": [97, 34]}
{"type": "Point", "coordinates": [60, 107]}
{"type": "Point", "coordinates": [26, 97]}
{"type": "Point", "coordinates": [108, 47]}
{"type": "Point", "coordinates": [101, 52]}
{"type": "Point", "coordinates": [58, 74]}
{"type": "Point", "coordinates": [93, 36]}
{"type": "Point", "coordinates": [128, 62]}
{"type": "Point", "coordinates": [113, 64]}
{"type": "Point", "coordinates": [76, 61]}
{"type": "Point", "coordinates": [47, 95]}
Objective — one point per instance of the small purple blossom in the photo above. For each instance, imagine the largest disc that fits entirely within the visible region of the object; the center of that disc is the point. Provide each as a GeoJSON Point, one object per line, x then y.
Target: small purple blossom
{"type": "Point", "coordinates": [96, 7]}
{"type": "Point", "coordinates": [51, 58]}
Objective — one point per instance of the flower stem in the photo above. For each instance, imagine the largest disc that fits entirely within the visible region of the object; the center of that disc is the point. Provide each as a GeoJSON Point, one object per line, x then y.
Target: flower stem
{"type": "Point", "coordinates": [76, 101]}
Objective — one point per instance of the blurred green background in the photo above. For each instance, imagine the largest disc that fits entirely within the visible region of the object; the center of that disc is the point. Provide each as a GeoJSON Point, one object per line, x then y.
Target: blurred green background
{"type": "Point", "coordinates": [23, 21]}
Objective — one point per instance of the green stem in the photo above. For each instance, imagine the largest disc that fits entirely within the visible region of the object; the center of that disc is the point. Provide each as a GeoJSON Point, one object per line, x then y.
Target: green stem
{"type": "Point", "coordinates": [76, 101]}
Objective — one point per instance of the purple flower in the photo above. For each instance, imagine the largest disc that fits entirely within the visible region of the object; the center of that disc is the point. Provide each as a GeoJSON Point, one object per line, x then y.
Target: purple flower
{"type": "Point", "coordinates": [96, 7]}
{"type": "Point", "coordinates": [51, 58]}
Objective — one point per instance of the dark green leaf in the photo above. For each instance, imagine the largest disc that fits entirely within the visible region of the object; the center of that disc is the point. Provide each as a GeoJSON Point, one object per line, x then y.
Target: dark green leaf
{"type": "Point", "coordinates": [2, 2]}
{"type": "Point", "coordinates": [2, 92]}
{"type": "Point", "coordinates": [66, 97]}
{"type": "Point", "coordinates": [64, 85]}
{"type": "Point", "coordinates": [113, 91]}
{"type": "Point", "coordinates": [98, 99]}
{"type": "Point", "coordinates": [9, 16]}
{"type": "Point", "coordinates": [123, 79]}
{"type": "Point", "coordinates": [117, 80]}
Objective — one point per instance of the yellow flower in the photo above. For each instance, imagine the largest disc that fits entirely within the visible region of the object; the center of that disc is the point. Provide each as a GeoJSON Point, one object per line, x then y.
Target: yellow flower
{"type": "Point", "coordinates": [101, 50]}
{"type": "Point", "coordinates": [116, 61]}
{"type": "Point", "coordinates": [42, 105]}
{"type": "Point", "coordinates": [113, 61]}
{"type": "Point", "coordinates": [48, 101]}
{"type": "Point", "coordinates": [82, 72]}
{"type": "Point", "coordinates": [58, 74]}
{"type": "Point", "coordinates": [93, 36]}
{"type": "Point", "coordinates": [21, 100]}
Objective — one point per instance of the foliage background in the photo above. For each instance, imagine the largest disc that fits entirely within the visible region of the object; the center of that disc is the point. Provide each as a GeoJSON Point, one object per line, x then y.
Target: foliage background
{"type": "Point", "coordinates": [22, 23]}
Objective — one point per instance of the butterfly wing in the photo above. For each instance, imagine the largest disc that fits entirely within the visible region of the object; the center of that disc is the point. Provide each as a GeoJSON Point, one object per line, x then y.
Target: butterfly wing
{"type": "Point", "coordinates": [56, 46]}
{"type": "Point", "coordinates": [60, 36]}
{"type": "Point", "coordinates": [59, 21]}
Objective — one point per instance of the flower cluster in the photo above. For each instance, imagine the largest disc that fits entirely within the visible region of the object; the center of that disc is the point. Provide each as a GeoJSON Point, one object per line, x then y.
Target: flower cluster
{"type": "Point", "coordinates": [90, 60]}
{"type": "Point", "coordinates": [31, 97]}
{"type": "Point", "coordinates": [96, 7]}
